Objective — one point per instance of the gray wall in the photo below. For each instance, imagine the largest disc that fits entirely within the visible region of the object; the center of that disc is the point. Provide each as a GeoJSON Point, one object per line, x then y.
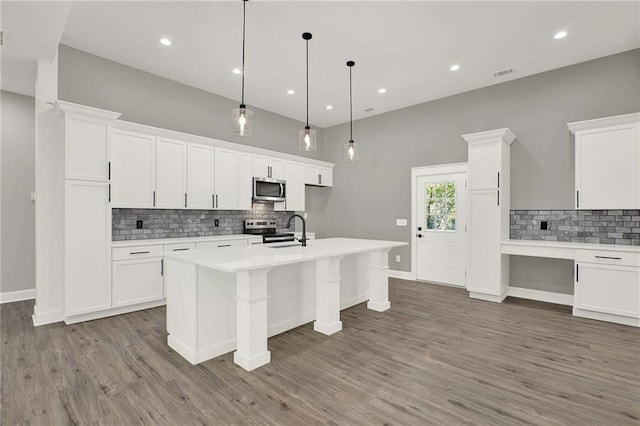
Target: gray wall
{"type": "Point", "coordinates": [18, 180]}
{"type": "Point", "coordinates": [146, 98]}
{"type": "Point", "coordinates": [370, 194]}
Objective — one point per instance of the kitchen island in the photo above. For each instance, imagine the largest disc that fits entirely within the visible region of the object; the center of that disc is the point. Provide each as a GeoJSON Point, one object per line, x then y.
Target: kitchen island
{"type": "Point", "coordinates": [229, 298]}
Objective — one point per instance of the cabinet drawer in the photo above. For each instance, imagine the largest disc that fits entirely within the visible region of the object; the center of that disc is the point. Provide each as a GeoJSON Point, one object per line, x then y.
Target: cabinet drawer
{"type": "Point", "coordinates": [608, 257]}
{"type": "Point", "coordinates": [168, 248]}
{"type": "Point", "coordinates": [220, 244]}
{"type": "Point", "coordinates": [136, 252]}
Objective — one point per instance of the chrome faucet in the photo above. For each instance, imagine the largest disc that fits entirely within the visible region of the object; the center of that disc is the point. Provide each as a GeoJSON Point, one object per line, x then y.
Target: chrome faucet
{"type": "Point", "coordinates": [303, 240]}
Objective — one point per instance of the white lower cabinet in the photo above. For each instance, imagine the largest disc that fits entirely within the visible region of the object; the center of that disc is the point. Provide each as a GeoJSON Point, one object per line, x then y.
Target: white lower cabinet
{"type": "Point", "coordinates": [87, 253]}
{"type": "Point", "coordinates": [607, 286]}
{"type": "Point", "coordinates": [137, 275]}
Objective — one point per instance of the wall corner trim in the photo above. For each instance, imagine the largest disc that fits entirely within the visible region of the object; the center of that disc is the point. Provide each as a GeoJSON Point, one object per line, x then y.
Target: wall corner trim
{"type": "Point", "coordinates": [16, 296]}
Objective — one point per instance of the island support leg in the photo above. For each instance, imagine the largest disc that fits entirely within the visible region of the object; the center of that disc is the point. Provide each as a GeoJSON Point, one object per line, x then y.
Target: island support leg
{"type": "Point", "coordinates": [251, 317]}
{"type": "Point", "coordinates": [328, 296]}
{"type": "Point", "coordinates": [379, 280]}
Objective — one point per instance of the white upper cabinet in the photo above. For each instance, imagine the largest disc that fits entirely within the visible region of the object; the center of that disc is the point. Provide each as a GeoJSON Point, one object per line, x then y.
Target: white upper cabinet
{"type": "Point", "coordinates": [87, 134]}
{"type": "Point", "coordinates": [171, 173]}
{"type": "Point", "coordinates": [607, 162]}
{"type": "Point", "coordinates": [245, 181]}
{"type": "Point", "coordinates": [226, 179]}
{"type": "Point", "coordinates": [294, 176]}
{"type": "Point", "coordinates": [200, 176]}
{"type": "Point", "coordinates": [268, 167]}
{"type": "Point", "coordinates": [318, 176]}
{"type": "Point", "coordinates": [484, 165]}
{"type": "Point", "coordinates": [132, 169]}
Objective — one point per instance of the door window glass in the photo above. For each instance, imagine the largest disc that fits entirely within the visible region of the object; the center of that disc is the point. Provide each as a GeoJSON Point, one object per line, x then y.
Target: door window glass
{"type": "Point", "coordinates": [440, 211]}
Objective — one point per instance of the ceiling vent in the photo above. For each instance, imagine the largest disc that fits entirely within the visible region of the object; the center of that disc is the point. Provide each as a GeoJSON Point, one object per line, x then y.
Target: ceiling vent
{"type": "Point", "coordinates": [504, 72]}
{"type": "Point", "coordinates": [368, 110]}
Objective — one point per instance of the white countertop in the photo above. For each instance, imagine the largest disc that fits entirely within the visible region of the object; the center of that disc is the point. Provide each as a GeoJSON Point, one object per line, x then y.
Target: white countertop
{"type": "Point", "coordinates": [558, 249]}
{"type": "Point", "coordinates": [241, 258]}
{"type": "Point", "coordinates": [161, 241]}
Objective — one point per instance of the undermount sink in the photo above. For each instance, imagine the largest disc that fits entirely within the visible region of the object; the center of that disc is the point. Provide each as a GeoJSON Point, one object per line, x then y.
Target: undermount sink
{"type": "Point", "coordinates": [287, 245]}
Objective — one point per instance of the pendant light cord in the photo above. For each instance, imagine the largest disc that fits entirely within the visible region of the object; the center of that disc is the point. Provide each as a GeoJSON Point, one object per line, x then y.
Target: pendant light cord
{"type": "Point", "coordinates": [350, 108]}
{"type": "Point", "coordinates": [307, 49]}
{"type": "Point", "coordinates": [244, 18]}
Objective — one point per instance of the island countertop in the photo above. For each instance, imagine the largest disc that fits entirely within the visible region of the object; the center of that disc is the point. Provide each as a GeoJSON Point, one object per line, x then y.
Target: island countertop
{"type": "Point", "coordinates": [236, 259]}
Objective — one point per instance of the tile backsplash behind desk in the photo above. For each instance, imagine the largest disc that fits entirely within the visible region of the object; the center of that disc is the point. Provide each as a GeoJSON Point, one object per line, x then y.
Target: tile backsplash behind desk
{"type": "Point", "coordinates": [161, 223]}
{"type": "Point", "coordinates": [584, 226]}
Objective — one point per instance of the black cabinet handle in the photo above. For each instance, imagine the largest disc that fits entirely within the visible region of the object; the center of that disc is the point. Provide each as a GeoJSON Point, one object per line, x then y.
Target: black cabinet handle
{"type": "Point", "coordinates": [216, 201]}
{"type": "Point", "coordinates": [139, 252]}
{"type": "Point", "coordinates": [181, 249]}
{"type": "Point", "coordinates": [608, 257]}
{"type": "Point", "coordinates": [109, 170]}
{"type": "Point", "coordinates": [498, 179]}
{"type": "Point", "coordinates": [109, 192]}
{"type": "Point", "coordinates": [154, 198]}
{"type": "Point", "coordinates": [185, 200]}
{"type": "Point", "coordinates": [578, 199]}
{"type": "Point", "coordinates": [577, 272]}
{"type": "Point", "coordinates": [161, 266]}
{"type": "Point", "coordinates": [213, 202]}
{"type": "Point", "coordinates": [498, 196]}
{"type": "Point", "coordinates": [225, 245]}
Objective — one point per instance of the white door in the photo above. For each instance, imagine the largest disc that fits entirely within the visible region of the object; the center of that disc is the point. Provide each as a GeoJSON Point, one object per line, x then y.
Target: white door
{"type": "Point", "coordinates": [440, 245]}
{"type": "Point", "coordinates": [200, 177]}
{"type": "Point", "coordinates": [171, 174]}
{"type": "Point", "coordinates": [132, 170]}
{"type": "Point", "coordinates": [226, 179]}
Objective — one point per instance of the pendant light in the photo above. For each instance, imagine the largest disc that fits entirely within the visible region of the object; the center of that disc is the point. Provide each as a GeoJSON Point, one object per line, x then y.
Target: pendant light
{"type": "Point", "coordinates": [307, 137]}
{"type": "Point", "coordinates": [241, 116]}
{"type": "Point", "coordinates": [351, 150]}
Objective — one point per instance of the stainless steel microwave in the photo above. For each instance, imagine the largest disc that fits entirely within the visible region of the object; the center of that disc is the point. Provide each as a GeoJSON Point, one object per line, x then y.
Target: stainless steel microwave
{"type": "Point", "coordinates": [267, 189]}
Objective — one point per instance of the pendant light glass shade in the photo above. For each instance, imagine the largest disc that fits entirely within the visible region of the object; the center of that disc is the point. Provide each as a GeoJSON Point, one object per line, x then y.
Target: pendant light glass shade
{"type": "Point", "coordinates": [242, 121]}
{"type": "Point", "coordinates": [351, 151]}
{"type": "Point", "coordinates": [307, 139]}
{"type": "Point", "coordinates": [241, 117]}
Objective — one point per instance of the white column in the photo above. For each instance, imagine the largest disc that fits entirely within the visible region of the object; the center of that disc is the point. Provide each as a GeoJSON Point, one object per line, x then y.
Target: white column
{"type": "Point", "coordinates": [379, 280]}
{"type": "Point", "coordinates": [328, 296]}
{"type": "Point", "coordinates": [251, 317]}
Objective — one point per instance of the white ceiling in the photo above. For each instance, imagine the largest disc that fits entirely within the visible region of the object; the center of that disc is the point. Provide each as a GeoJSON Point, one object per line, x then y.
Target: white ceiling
{"type": "Point", "coordinates": [406, 47]}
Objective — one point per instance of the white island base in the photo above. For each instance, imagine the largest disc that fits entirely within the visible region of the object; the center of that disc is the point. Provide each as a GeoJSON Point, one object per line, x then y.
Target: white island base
{"type": "Point", "coordinates": [231, 298]}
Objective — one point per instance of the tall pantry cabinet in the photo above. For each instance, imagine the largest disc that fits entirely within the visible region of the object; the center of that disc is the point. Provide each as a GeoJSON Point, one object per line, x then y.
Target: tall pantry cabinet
{"type": "Point", "coordinates": [488, 220]}
{"type": "Point", "coordinates": [87, 216]}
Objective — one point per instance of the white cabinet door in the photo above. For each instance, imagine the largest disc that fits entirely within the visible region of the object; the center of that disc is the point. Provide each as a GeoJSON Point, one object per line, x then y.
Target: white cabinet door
{"type": "Point", "coordinates": [608, 168]}
{"type": "Point", "coordinates": [608, 289]}
{"type": "Point", "coordinates": [226, 179]}
{"type": "Point", "coordinates": [318, 176]}
{"type": "Point", "coordinates": [200, 177]}
{"type": "Point", "coordinates": [87, 149]}
{"type": "Point", "coordinates": [137, 281]}
{"type": "Point", "coordinates": [483, 243]}
{"type": "Point", "coordinates": [171, 173]}
{"type": "Point", "coordinates": [484, 165]}
{"type": "Point", "coordinates": [132, 170]}
{"type": "Point", "coordinates": [325, 176]}
{"type": "Point", "coordinates": [295, 198]}
{"type": "Point", "coordinates": [87, 284]}
{"type": "Point", "coordinates": [245, 181]}
{"type": "Point", "coordinates": [268, 167]}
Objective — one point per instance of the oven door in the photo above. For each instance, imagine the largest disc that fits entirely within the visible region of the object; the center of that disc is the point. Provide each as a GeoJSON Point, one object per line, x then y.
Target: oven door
{"type": "Point", "coordinates": [266, 189]}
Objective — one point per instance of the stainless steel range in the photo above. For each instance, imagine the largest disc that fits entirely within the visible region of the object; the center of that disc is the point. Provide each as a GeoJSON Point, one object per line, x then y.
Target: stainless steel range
{"type": "Point", "coordinates": [268, 230]}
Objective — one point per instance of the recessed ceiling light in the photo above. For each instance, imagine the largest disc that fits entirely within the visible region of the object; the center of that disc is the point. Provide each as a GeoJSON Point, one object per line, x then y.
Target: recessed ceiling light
{"type": "Point", "coordinates": [560, 34]}
{"type": "Point", "coordinates": [454, 67]}
{"type": "Point", "coordinates": [291, 92]}
{"type": "Point", "coordinates": [382, 90]}
{"type": "Point", "coordinates": [165, 41]}
{"type": "Point", "coordinates": [237, 71]}
{"type": "Point", "coordinates": [329, 106]}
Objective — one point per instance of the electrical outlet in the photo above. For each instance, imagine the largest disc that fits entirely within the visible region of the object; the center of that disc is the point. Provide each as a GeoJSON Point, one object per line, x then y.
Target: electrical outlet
{"type": "Point", "coordinates": [397, 258]}
{"type": "Point", "coordinates": [139, 224]}
{"type": "Point", "coordinates": [216, 222]}
{"type": "Point", "coordinates": [544, 225]}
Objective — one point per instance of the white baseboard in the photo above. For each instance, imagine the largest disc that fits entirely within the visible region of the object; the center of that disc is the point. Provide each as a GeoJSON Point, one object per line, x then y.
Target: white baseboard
{"type": "Point", "coordinates": [403, 275]}
{"type": "Point", "coordinates": [542, 296]}
{"type": "Point", "coordinates": [347, 303]}
{"type": "Point", "coordinates": [16, 296]}
{"type": "Point", "coordinates": [44, 318]}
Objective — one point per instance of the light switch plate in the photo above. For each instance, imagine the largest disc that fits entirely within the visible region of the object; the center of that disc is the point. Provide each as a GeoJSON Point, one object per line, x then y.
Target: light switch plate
{"type": "Point", "coordinates": [32, 196]}
{"type": "Point", "coordinates": [397, 258]}
{"type": "Point", "coordinates": [401, 222]}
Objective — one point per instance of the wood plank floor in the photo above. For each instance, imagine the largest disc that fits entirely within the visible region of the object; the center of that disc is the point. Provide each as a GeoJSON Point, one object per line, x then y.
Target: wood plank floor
{"type": "Point", "coordinates": [437, 357]}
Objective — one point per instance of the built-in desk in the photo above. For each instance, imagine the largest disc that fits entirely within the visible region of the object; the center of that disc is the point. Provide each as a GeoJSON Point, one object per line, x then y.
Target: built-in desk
{"type": "Point", "coordinates": [606, 276]}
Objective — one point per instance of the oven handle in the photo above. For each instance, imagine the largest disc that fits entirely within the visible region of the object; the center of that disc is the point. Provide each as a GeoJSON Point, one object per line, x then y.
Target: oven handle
{"type": "Point", "coordinates": [281, 190]}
